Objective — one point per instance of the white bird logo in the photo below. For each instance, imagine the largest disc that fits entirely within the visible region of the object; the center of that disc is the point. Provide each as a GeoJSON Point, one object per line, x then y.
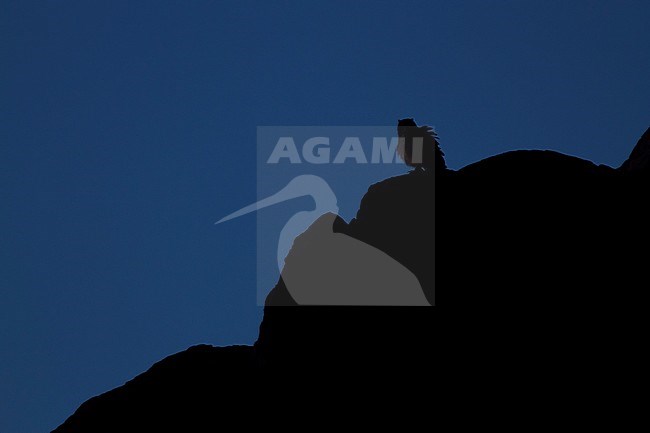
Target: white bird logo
{"type": "Point", "coordinates": [300, 186]}
{"type": "Point", "coordinates": [328, 268]}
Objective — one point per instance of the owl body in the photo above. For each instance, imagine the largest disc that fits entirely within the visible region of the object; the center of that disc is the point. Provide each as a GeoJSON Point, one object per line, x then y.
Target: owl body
{"type": "Point", "coordinates": [418, 146]}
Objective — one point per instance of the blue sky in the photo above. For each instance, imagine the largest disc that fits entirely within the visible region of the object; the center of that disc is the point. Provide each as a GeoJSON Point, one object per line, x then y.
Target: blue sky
{"type": "Point", "coordinates": [128, 128]}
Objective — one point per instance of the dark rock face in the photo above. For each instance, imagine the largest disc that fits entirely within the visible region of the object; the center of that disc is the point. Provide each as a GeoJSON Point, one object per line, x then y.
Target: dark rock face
{"type": "Point", "coordinates": [398, 216]}
{"type": "Point", "coordinates": [534, 249]}
{"type": "Point", "coordinates": [537, 228]}
{"type": "Point", "coordinates": [174, 393]}
{"type": "Point", "coordinates": [639, 161]}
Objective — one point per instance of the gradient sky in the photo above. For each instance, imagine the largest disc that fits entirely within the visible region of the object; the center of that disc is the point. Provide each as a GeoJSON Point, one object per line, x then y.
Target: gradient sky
{"type": "Point", "coordinates": [128, 128]}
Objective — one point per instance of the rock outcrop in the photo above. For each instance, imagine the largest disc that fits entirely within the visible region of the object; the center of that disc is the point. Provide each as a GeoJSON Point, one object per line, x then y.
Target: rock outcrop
{"type": "Point", "coordinates": [528, 254]}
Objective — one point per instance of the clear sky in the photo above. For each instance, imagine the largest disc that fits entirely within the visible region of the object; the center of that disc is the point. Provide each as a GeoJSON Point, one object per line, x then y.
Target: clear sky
{"type": "Point", "coordinates": [128, 128]}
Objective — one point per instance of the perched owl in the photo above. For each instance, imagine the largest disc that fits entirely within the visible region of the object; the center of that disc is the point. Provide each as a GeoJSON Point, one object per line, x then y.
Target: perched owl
{"type": "Point", "coordinates": [418, 146]}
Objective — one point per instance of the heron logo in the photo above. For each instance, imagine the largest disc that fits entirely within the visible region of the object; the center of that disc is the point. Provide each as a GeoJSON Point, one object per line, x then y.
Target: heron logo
{"type": "Point", "coordinates": [308, 179]}
{"type": "Point", "coordinates": [304, 185]}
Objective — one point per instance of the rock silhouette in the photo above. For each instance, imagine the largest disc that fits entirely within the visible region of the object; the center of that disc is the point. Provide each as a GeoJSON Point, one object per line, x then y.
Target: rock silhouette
{"type": "Point", "coordinates": [533, 248]}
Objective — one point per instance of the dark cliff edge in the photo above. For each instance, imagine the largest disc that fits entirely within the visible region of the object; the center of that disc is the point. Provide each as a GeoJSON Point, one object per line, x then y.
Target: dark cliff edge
{"type": "Point", "coordinates": [536, 255]}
